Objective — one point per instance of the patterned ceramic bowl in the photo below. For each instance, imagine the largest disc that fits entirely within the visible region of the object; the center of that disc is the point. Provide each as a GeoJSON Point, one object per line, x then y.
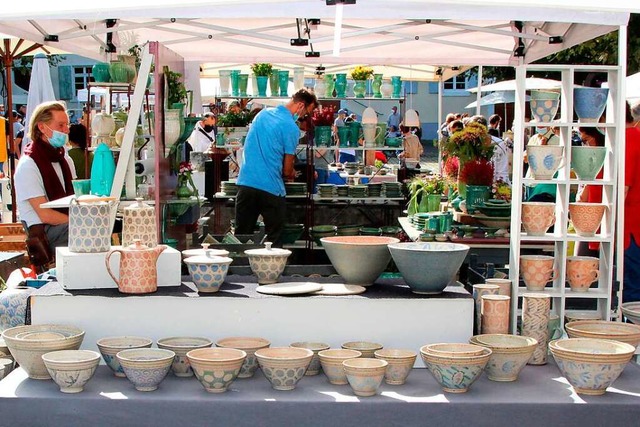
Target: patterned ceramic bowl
{"type": "Point", "coordinates": [510, 354]}
{"type": "Point", "coordinates": [367, 349]}
{"type": "Point", "coordinates": [591, 365]}
{"type": "Point", "coordinates": [110, 346]}
{"type": "Point", "coordinates": [365, 375]}
{"type": "Point", "coordinates": [631, 311]}
{"type": "Point", "coordinates": [284, 366]}
{"type": "Point", "coordinates": [71, 369]}
{"type": "Point", "coordinates": [586, 217]}
{"type": "Point", "coordinates": [268, 263]}
{"type": "Point", "coordinates": [208, 271]}
{"type": "Point", "coordinates": [453, 372]}
{"type": "Point", "coordinates": [249, 345]}
{"type": "Point", "coordinates": [316, 347]}
{"type": "Point", "coordinates": [331, 361]}
{"type": "Point", "coordinates": [400, 363]}
{"type": "Point", "coordinates": [146, 367]}
{"type": "Point", "coordinates": [181, 346]}
{"type": "Point", "coordinates": [589, 103]}
{"type": "Point", "coordinates": [604, 329]}
{"type": "Point", "coordinates": [216, 368]}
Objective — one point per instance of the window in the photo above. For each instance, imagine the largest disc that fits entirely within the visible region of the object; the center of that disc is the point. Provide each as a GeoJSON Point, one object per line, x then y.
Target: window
{"type": "Point", "coordinates": [456, 83]}
{"type": "Point", "coordinates": [81, 77]}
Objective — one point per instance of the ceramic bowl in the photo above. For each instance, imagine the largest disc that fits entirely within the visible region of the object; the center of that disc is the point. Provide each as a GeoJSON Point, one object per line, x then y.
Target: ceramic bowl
{"type": "Point", "coordinates": [331, 361]}
{"type": "Point", "coordinates": [4, 349]}
{"type": "Point", "coordinates": [267, 263]}
{"type": "Point", "coordinates": [358, 259]}
{"type": "Point", "coordinates": [316, 347]}
{"type": "Point", "coordinates": [537, 217]}
{"type": "Point", "coordinates": [208, 271]}
{"type": "Point", "coordinates": [455, 373]}
{"type": "Point", "coordinates": [110, 346]}
{"type": "Point", "coordinates": [587, 161]}
{"type": "Point", "coordinates": [367, 349]}
{"type": "Point", "coordinates": [146, 367]}
{"type": "Point", "coordinates": [181, 346]}
{"type": "Point", "coordinates": [291, 233]}
{"type": "Point", "coordinates": [544, 105]}
{"type": "Point", "coordinates": [318, 232]}
{"type": "Point", "coordinates": [216, 368]}
{"type": "Point", "coordinates": [6, 366]}
{"type": "Point", "coordinates": [28, 351]}
{"type": "Point", "coordinates": [586, 217]}
{"type": "Point", "coordinates": [365, 375]}
{"type": "Point", "coordinates": [284, 366]}
{"type": "Point", "coordinates": [495, 210]}
{"type": "Point", "coordinates": [71, 369]}
{"type": "Point", "coordinates": [545, 160]}
{"type": "Point", "coordinates": [624, 332]}
{"type": "Point", "coordinates": [249, 345]}
{"type": "Point", "coordinates": [510, 354]}
{"type": "Point", "coordinates": [428, 267]}
{"type": "Point", "coordinates": [631, 311]}
{"type": "Point", "coordinates": [590, 365]}
{"type": "Point", "coordinates": [589, 103]}
{"type": "Point", "coordinates": [203, 251]}
{"type": "Point", "coordinates": [400, 363]}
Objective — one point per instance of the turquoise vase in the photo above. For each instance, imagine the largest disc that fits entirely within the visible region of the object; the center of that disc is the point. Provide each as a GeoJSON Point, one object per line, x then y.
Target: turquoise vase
{"type": "Point", "coordinates": [341, 85]}
{"type": "Point", "coordinates": [360, 88]}
{"type": "Point", "coordinates": [235, 80]}
{"type": "Point", "coordinates": [433, 202]}
{"type": "Point", "coordinates": [121, 72]}
{"type": "Point", "coordinates": [375, 86]}
{"type": "Point", "coordinates": [329, 85]}
{"type": "Point", "coordinates": [396, 81]}
{"type": "Point", "coordinates": [343, 136]}
{"type": "Point", "coordinates": [476, 195]}
{"type": "Point", "coordinates": [243, 81]}
{"type": "Point", "coordinates": [355, 133]}
{"type": "Point", "coordinates": [274, 79]}
{"type": "Point", "coordinates": [103, 169]}
{"type": "Point", "coordinates": [283, 82]}
{"type": "Point", "coordinates": [262, 85]}
{"type": "Point", "coordinates": [100, 72]}
{"type": "Point", "coordinates": [322, 136]}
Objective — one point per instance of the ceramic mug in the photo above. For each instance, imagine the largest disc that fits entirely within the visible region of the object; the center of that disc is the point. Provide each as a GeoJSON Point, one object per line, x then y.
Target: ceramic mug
{"type": "Point", "coordinates": [586, 217]}
{"type": "Point", "coordinates": [371, 133]}
{"type": "Point", "coordinates": [582, 271]}
{"type": "Point", "coordinates": [545, 160]}
{"type": "Point", "coordinates": [586, 161]}
{"type": "Point", "coordinates": [537, 217]}
{"type": "Point", "coordinates": [589, 103]}
{"type": "Point", "coordinates": [544, 105]}
{"type": "Point", "coordinates": [537, 271]}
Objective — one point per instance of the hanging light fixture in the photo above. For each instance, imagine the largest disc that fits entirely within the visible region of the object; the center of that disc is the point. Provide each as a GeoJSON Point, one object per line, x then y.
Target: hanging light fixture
{"type": "Point", "coordinates": [411, 118]}
{"type": "Point", "coordinates": [369, 115]}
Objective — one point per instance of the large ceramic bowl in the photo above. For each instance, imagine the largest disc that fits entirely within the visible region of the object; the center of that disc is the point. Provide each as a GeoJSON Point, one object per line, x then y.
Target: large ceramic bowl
{"type": "Point", "coordinates": [249, 345]}
{"type": "Point", "coordinates": [27, 344]}
{"type": "Point", "coordinates": [428, 267]}
{"type": "Point", "coordinates": [110, 346]}
{"type": "Point", "coordinates": [284, 366]}
{"type": "Point", "coordinates": [181, 346]}
{"type": "Point", "coordinates": [510, 354]}
{"type": "Point", "coordinates": [586, 217]}
{"type": "Point", "coordinates": [365, 375]}
{"type": "Point", "coordinates": [455, 373]}
{"type": "Point", "coordinates": [316, 347]}
{"type": "Point", "coordinates": [624, 332]}
{"type": "Point", "coordinates": [400, 363]}
{"type": "Point", "coordinates": [267, 263]}
{"type": "Point", "coordinates": [591, 365]}
{"type": "Point", "coordinates": [358, 259]}
{"type": "Point", "coordinates": [631, 311]}
{"type": "Point", "coordinates": [208, 271]}
{"type": "Point", "coordinates": [146, 367]}
{"type": "Point", "coordinates": [331, 361]}
{"type": "Point", "coordinates": [216, 368]}
{"type": "Point", "coordinates": [71, 369]}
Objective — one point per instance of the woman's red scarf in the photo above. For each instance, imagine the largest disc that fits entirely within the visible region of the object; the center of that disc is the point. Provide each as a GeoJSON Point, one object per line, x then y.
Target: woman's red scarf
{"type": "Point", "coordinates": [44, 155]}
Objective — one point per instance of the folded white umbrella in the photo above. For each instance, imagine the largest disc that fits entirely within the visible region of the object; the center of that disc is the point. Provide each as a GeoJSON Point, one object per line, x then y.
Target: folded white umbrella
{"type": "Point", "coordinates": [40, 88]}
{"type": "Point", "coordinates": [501, 97]}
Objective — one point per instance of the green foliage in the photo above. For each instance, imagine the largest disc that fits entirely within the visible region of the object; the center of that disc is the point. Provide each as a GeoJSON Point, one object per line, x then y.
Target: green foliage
{"type": "Point", "coordinates": [423, 185]}
{"type": "Point", "coordinates": [262, 69]}
{"type": "Point", "coordinates": [177, 92]}
{"type": "Point", "coordinates": [24, 64]}
{"type": "Point", "coordinates": [234, 119]}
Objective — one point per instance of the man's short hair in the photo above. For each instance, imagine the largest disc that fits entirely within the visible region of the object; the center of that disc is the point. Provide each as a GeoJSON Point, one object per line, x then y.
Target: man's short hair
{"type": "Point", "coordinates": [305, 96]}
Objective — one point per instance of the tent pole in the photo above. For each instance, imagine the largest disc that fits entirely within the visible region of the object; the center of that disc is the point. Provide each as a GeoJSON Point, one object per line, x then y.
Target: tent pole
{"type": "Point", "coordinates": [440, 121]}
{"type": "Point", "coordinates": [479, 93]}
{"type": "Point", "coordinates": [8, 64]}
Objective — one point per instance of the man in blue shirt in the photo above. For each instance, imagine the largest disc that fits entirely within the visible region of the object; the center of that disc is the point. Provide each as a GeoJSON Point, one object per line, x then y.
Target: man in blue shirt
{"type": "Point", "coordinates": [268, 160]}
{"type": "Point", "coordinates": [394, 118]}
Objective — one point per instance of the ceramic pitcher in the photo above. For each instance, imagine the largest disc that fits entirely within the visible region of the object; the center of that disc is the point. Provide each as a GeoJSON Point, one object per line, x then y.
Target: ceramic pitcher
{"type": "Point", "coordinates": [138, 269]}
{"type": "Point", "coordinates": [139, 223]}
{"type": "Point", "coordinates": [90, 225]}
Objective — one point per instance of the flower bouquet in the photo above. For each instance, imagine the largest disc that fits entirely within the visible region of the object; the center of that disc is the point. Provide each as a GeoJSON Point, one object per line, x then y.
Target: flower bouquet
{"type": "Point", "coordinates": [501, 190]}
{"type": "Point", "coordinates": [185, 181]}
{"type": "Point", "coordinates": [471, 143]}
{"type": "Point", "coordinates": [361, 72]}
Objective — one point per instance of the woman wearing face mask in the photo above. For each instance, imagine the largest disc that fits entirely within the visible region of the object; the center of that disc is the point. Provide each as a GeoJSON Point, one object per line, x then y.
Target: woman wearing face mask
{"type": "Point", "coordinates": [44, 174]}
{"type": "Point", "coordinates": [204, 134]}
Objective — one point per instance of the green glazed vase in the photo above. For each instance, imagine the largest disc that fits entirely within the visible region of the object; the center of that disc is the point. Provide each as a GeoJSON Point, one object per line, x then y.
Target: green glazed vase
{"type": "Point", "coordinates": [360, 88]}
{"type": "Point", "coordinates": [376, 84]}
{"type": "Point", "coordinates": [100, 72]}
{"type": "Point", "coordinates": [341, 85]}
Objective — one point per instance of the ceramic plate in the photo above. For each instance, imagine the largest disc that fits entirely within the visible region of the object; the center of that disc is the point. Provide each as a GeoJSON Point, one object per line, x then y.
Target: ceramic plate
{"type": "Point", "coordinates": [340, 289]}
{"type": "Point", "coordinates": [290, 288]}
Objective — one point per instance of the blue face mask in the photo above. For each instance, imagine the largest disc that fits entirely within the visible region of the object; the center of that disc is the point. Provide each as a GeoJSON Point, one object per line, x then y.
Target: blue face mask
{"type": "Point", "coordinates": [295, 117]}
{"type": "Point", "coordinates": [58, 139]}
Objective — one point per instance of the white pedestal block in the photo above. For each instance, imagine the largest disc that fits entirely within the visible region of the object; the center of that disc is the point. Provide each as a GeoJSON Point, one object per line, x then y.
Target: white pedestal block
{"type": "Point", "coordinates": [88, 271]}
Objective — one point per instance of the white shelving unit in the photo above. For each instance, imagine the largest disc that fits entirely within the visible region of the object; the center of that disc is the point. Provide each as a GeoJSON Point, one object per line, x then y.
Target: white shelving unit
{"type": "Point", "coordinates": [561, 294]}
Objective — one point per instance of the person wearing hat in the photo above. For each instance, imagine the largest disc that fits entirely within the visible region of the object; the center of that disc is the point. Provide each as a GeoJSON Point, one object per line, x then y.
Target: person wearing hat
{"type": "Point", "coordinates": [204, 133]}
{"type": "Point", "coordinates": [342, 155]}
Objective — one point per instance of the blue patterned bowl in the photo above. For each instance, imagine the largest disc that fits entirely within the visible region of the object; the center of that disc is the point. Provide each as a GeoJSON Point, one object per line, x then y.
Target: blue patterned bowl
{"type": "Point", "coordinates": [510, 354]}
{"type": "Point", "coordinates": [545, 160]}
{"type": "Point", "coordinates": [249, 345]}
{"type": "Point", "coordinates": [181, 346]}
{"type": "Point", "coordinates": [110, 346]}
{"type": "Point", "coordinates": [589, 103]}
{"type": "Point", "coordinates": [591, 365]}
{"type": "Point", "coordinates": [284, 366]}
{"type": "Point", "coordinates": [544, 105]}
{"type": "Point", "coordinates": [365, 375]}
{"type": "Point", "coordinates": [455, 373]}
{"type": "Point", "coordinates": [208, 271]}
{"type": "Point", "coordinates": [146, 367]}
{"type": "Point", "coordinates": [216, 368]}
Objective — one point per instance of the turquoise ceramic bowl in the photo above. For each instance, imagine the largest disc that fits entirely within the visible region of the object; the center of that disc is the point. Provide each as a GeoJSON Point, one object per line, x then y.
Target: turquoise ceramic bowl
{"type": "Point", "coordinates": [587, 161]}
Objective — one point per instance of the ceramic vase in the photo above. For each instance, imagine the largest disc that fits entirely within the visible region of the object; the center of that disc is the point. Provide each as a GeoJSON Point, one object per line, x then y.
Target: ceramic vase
{"type": "Point", "coordinates": [341, 85]}
{"type": "Point", "coordinates": [274, 79]}
{"type": "Point", "coordinates": [322, 136]}
{"type": "Point", "coordinates": [13, 306]}
{"type": "Point", "coordinates": [100, 72]}
{"type": "Point", "coordinates": [589, 103]}
{"type": "Point", "coordinates": [283, 82]}
{"type": "Point", "coordinates": [172, 127]}
{"type": "Point", "coordinates": [476, 195]}
{"type": "Point", "coordinates": [495, 314]}
{"type": "Point", "coordinates": [262, 82]}
{"type": "Point", "coordinates": [298, 78]}
{"type": "Point", "coordinates": [478, 291]}
{"type": "Point", "coordinates": [535, 322]}
{"type": "Point", "coordinates": [375, 85]}
{"type": "Point", "coordinates": [243, 82]}
{"type": "Point", "coordinates": [121, 72]}
{"type": "Point", "coordinates": [433, 203]}
{"type": "Point", "coordinates": [90, 226]}
{"type": "Point", "coordinates": [139, 223]}
{"type": "Point", "coordinates": [386, 89]}
{"type": "Point", "coordinates": [320, 87]}
{"type": "Point", "coordinates": [343, 135]}
{"type": "Point", "coordinates": [225, 81]}
{"type": "Point", "coordinates": [235, 81]}
{"type": "Point", "coordinates": [329, 85]}
{"type": "Point", "coordinates": [182, 189]}
{"type": "Point", "coordinates": [360, 88]}
{"type": "Point", "coordinates": [396, 82]}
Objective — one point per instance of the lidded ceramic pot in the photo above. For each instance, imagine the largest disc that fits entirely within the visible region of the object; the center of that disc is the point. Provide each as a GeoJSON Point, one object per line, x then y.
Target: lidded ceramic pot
{"type": "Point", "coordinates": [203, 251]}
{"type": "Point", "coordinates": [267, 263]}
{"type": "Point", "coordinates": [139, 223]}
{"type": "Point", "coordinates": [138, 268]}
{"type": "Point", "coordinates": [90, 224]}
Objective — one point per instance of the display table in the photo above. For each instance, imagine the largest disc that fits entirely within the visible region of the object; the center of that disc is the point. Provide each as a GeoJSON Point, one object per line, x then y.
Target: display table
{"type": "Point", "coordinates": [541, 396]}
{"type": "Point", "coordinates": [388, 313]}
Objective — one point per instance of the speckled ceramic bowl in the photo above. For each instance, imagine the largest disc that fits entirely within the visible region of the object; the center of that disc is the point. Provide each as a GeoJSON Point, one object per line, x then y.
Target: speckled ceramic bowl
{"type": "Point", "coordinates": [181, 346]}
{"type": "Point", "coordinates": [510, 354]}
{"type": "Point", "coordinates": [316, 347]}
{"type": "Point", "coordinates": [284, 366]}
{"type": "Point", "coordinates": [603, 329]}
{"type": "Point", "coordinates": [146, 367]}
{"type": "Point", "coordinates": [400, 363]}
{"type": "Point", "coordinates": [631, 311]}
{"type": "Point", "coordinates": [216, 368]}
{"type": "Point", "coordinates": [249, 345]}
{"type": "Point", "coordinates": [110, 346]}
{"type": "Point", "coordinates": [365, 347]}
{"type": "Point", "coordinates": [365, 375]}
{"type": "Point", "coordinates": [71, 369]}
{"type": "Point", "coordinates": [331, 361]}
{"type": "Point", "coordinates": [455, 373]}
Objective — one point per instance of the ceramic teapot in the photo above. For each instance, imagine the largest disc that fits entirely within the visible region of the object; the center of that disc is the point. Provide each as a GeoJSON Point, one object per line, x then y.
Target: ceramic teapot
{"type": "Point", "coordinates": [138, 269]}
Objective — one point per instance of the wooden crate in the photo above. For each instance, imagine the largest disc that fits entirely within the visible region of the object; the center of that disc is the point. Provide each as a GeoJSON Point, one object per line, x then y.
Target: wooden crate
{"type": "Point", "coordinates": [12, 238]}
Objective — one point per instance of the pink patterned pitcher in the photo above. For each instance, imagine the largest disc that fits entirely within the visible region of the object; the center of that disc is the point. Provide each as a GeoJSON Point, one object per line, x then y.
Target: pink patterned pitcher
{"type": "Point", "coordinates": [138, 270]}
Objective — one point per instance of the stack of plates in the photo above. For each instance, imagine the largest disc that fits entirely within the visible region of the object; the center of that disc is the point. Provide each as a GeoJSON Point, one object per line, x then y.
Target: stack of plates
{"type": "Point", "coordinates": [343, 190]}
{"type": "Point", "coordinates": [419, 220]}
{"type": "Point", "coordinates": [229, 188]}
{"type": "Point", "coordinates": [327, 190]}
{"type": "Point", "coordinates": [295, 188]}
{"type": "Point", "coordinates": [374, 190]}
{"type": "Point", "coordinates": [358, 191]}
{"type": "Point", "coordinates": [391, 189]}
{"type": "Point", "coordinates": [496, 209]}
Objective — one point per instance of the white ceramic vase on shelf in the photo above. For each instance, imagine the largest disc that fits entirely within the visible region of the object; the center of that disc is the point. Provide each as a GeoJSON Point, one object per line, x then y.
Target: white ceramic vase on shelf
{"type": "Point", "coordinates": [386, 88]}
{"type": "Point", "coordinates": [320, 87]}
{"type": "Point", "coordinates": [535, 322]}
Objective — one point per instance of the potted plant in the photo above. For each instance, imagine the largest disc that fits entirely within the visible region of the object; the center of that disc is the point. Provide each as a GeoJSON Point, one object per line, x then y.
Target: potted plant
{"type": "Point", "coordinates": [322, 120]}
{"type": "Point", "coordinates": [477, 175]}
{"type": "Point", "coordinates": [360, 74]}
{"type": "Point", "coordinates": [232, 127]}
{"type": "Point", "coordinates": [425, 193]}
{"type": "Point", "coordinates": [262, 72]}
{"type": "Point", "coordinates": [176, 90]}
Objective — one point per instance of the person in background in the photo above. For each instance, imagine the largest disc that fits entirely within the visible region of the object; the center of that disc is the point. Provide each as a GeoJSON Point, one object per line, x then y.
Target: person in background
{"type": "Point", "coordinates": [412, 148]}
{"type": "Point", "coordinates": [351, 118]}
{"type": "Point", "coordinates": [268, 160]}
{"type": "Point", "coordinates": [494, 125]}
{"type": "Point", "coordinates": [204, 134]}
{"type": "Point", "coordinates": [394, 118]}
{"type": "Point", "coordinates": [2, 112]}
{"type": "Point", "coordinates": [631, 275]}
{"type": "Point", "coordinates": [43, 174]}
{"type": "Point", "coordinates": [342, 155]}
{"type": "Point", "coordinates": [17, 123]}
{"type": "Point", "coordinates": [393, 132]}
{"type": "Point", "coordinates": [78, 142]}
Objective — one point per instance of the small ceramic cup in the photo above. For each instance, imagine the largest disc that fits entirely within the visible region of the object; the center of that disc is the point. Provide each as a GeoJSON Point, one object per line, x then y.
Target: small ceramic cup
{"type": "Point", "coordinates": [537, 271]}
{"type": "Point", "coordinates": [582, 271]}
{"type": "Point", "coordinates": [586, 217]}
{"type": "Point", "coordinates": [537, 217]}
{"type": "Point", "coordinates": [545, 160]}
